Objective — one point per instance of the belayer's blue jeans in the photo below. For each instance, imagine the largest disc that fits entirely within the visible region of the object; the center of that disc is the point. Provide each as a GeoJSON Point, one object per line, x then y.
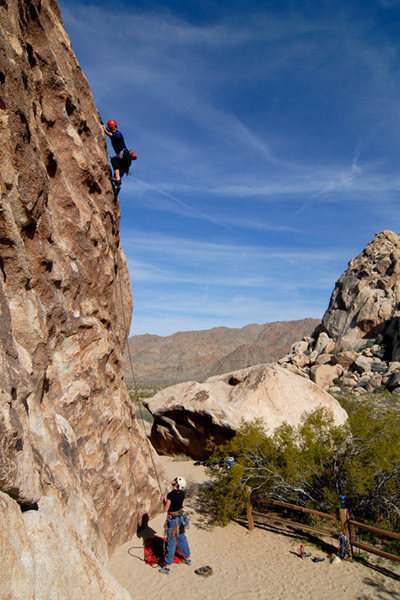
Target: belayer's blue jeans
{"type": "Point", "coordinates": [179, 538]}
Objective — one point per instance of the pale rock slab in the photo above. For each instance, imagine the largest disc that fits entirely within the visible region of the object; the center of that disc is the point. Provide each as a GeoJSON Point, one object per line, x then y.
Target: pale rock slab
{"type": "Point", "coordinates": [187, 414]}
{"type": "Point", "coordinates": [323, 359]}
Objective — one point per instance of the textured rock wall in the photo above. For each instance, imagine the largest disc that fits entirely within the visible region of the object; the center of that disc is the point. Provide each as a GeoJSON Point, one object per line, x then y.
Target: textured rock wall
{"type": "Point", "coordinates": [357, 346]}
{"type": "Point", "coordinates": [68, 437]}
{"type": "Point", "coordinates": [366, 298]}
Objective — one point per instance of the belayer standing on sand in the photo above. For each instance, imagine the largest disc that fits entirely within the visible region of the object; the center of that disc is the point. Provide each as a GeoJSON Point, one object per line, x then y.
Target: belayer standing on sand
{"type": "Point", "coordinates": [123, 157]}
{"type": "Point", "coordinates": [175, 524]}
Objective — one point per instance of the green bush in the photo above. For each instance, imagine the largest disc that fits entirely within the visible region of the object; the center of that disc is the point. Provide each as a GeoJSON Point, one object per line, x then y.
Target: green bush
{"type": "Point", "coordinates": [369, 465]}
{"type": "Point", "coordinates": [313, 464]}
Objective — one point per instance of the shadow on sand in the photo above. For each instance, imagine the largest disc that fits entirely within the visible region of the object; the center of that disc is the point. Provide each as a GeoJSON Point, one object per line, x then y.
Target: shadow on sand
{"type": "Point", "coordinates": [144, 532]}
{"type": "Point", "coordinates": [380, 589]}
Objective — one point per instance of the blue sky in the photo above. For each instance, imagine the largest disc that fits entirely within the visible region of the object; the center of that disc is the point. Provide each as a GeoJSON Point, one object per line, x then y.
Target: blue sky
{"type": "Point", "coordinates": [268, 137]}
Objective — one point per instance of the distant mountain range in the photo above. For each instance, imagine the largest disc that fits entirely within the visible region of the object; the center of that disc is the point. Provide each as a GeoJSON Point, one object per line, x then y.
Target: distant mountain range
{"type": "Point", "coordinates": [196, 355]}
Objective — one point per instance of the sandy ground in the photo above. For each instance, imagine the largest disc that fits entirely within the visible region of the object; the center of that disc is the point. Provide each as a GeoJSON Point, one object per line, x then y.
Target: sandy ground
{"type": "Point", "coordinates": [257, 565]}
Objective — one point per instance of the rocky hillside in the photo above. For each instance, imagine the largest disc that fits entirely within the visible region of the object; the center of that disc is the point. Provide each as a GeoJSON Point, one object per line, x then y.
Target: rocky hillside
{"type": "Point", "coordinates": [357, 346]}
{"type": "Point", "coordinates": [76, 475]}
{"type": "Point", "coordinates": [196, 355]}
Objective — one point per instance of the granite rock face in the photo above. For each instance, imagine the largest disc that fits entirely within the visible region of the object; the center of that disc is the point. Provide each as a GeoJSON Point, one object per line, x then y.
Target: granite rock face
{"type": "Point", "coordinates": [70, 445]}
{"type": "Point", "coordinates": [187, 414]}
{"type": "Point", "coordinates": [366, 298]}
{"type": "Point", "coordinates": [357, 346]}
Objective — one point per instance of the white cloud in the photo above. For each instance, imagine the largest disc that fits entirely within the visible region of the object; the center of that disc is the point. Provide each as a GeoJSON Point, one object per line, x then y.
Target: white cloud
{"type": "Point", "coordinates": [190, 313]}
{"type": "Point", "coordinates": [167, 267]}
{"type": "Point", "coordinates": [187, 248]}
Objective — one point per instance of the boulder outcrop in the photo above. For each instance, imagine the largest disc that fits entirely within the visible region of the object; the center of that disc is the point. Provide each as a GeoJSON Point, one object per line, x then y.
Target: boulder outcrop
{"type": "Point", "coordinates": [366, 298]}
{"type": "Point", "coordinates": [76, 475]}
{"type": "Point", "coordinates": [187, 414]}
{"type": "Point", "coordinates": [359, 335]}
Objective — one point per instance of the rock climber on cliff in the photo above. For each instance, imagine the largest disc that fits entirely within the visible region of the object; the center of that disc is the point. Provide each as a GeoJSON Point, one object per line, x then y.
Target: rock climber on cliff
{"type": "Point", "coordinates": [123, 157]}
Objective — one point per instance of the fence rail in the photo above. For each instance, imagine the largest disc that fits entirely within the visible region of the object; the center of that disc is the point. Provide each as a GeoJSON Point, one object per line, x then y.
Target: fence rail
{"type": "Point", "coordinates": [347, 525]}
{"type": "Point", "coordinates": [277, 519]}
{"type": "Point", "coordinates": [311, 511]}
{"type": "Point", "coordinates": [390, 534]}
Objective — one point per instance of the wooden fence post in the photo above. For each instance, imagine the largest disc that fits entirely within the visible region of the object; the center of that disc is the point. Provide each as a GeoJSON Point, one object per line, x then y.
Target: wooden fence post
{"type": "Point", "coordinates": [250, 522]}
{"type": "Point", "coordinates": [353, 539]}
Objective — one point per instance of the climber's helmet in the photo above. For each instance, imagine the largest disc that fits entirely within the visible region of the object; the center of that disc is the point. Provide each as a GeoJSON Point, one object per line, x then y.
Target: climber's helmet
{"type": "Point", "coordinates": [111, 123]}
{"type": "Point", "coordinates": [180, 482]}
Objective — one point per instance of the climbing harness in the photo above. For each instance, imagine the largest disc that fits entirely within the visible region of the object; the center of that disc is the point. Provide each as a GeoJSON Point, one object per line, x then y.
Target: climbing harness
{"type": "Point", "coordinates": [180, 522]}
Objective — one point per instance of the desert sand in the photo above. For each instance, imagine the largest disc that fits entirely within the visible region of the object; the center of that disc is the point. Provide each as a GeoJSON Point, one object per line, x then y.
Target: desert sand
{"type": "Point", "coordinates": [257, 565]}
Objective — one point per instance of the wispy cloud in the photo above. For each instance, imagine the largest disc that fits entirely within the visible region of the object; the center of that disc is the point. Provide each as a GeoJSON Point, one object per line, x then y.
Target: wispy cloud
{"type": "Point", "coordinates": [168, 262]}
{"type": "Point", "coordinates": [179, 312]}
{"type": "Point", "coordinates": [187, 248]}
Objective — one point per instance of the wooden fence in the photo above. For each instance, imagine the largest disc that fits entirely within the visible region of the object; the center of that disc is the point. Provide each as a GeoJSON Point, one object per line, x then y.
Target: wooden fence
{"type": "Point", "coordinates": [347, 525]}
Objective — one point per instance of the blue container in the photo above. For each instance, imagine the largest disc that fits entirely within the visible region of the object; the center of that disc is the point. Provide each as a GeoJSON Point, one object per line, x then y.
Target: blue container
{"type": "Point", "coordinates": [342, 501]}
{"type": "Point", "coordinates": [229, 462]}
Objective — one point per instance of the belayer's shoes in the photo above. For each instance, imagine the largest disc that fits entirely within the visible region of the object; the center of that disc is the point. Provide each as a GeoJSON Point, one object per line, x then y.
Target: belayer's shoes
{"type": "Point", "coordinates": [205, 571]}
{"type": "Point", "coordinates": [186, 561]}
{"type": "Point", "coordinates": [317, 559]}
{"type": "Point", "coordinates": [164, 570]}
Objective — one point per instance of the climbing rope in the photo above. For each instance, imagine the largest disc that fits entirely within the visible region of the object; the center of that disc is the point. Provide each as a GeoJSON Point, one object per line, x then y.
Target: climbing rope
{"type": "Point", "coordinates": [136, 395]}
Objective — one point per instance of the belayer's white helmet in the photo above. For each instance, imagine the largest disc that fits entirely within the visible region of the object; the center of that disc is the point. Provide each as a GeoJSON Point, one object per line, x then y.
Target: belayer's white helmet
{"type": "Point", "coordinates": [181, 482]}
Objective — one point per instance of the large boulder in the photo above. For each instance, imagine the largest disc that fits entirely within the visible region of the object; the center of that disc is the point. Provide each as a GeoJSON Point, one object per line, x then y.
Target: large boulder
{"type": "Point", "coordinates": [366, 298]}
{"type": "Point", "coordinates": [359, 337]}
{"type": "Point", "coordinates": [30, 556]}
{"type": "Point", "coordinates": [187, 414]}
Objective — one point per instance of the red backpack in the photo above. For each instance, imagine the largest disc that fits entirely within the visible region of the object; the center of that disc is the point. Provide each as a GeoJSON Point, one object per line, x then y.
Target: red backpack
{"type": "Point", "coordinates": [154, 551]}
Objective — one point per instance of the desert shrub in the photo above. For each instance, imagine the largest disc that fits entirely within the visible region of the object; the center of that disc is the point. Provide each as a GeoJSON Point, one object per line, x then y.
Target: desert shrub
{"type": "Point", "coordinates": [143, 415]}
{"type": "Point", "coordinates": [369, 464]}
{"type": "Point", "coordinates": [313, 464]}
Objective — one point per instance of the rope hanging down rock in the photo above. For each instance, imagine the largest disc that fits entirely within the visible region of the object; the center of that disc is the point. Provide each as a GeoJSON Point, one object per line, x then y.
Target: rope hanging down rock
{"type": "Point", "coordinates": [136, 395]}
